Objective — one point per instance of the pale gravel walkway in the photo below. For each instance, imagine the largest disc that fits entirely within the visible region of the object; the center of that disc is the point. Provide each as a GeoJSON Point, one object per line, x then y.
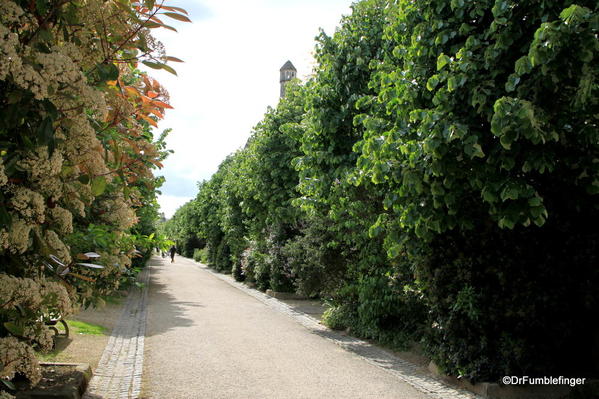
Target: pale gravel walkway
{"type": "Point", "coordinates": [211, 337]}
{"type": "Point", "coordinates": [118, 375]}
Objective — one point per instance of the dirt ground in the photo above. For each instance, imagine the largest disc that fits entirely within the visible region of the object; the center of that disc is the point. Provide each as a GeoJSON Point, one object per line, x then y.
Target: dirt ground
{"type": "Point", "coordinates": [85, 348]}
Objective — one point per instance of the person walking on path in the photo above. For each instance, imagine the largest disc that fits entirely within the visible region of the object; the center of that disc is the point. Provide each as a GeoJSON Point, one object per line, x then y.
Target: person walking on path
{"type": "Point", "coordinates": [172, 252]}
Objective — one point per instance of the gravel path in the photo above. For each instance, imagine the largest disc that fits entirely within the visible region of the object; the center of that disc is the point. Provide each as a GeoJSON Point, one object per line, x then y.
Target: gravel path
{"type": "Point", "coordinates": [209, 337]}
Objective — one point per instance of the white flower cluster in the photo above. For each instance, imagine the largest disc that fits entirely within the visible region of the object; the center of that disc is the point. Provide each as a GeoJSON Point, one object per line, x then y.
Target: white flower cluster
{"type": "Point", "coordinates": [29, 204]}
{"type": "Point", "coordinates": [44, 171]}
{"type": "Point", "coordinates": [18, 357]}
{"type": "Point", "coordinates": [40, 334]}
{"type": "Point", "coordinates": [45, 192]}
{"type": "Point", "coordinates": [6, 395]}
{"type": "Point", "coordinates": [17, 238]}
{"type": "Point", "coordinates": [56, 298]}
{"type": "Point", "coordinates": [119, 213]}
{"type": "Point", "coordinates": [41, 296]}
{"type": "Point", "coordinates": [72, 198]}
{"type": "Point", "coordinates": [19, 291]}
{"type": "Point", "coordinates": [82, 147]}
{"type": "Point", "coordinates": [8, 52]}
{"type": "Point", "coordinates": [10, 12]}
{"type": "Point", "coordinates": [61, 219]}
{"type": "Point", "coordinates": [3, 177]}
{"type": "Point", "coordinates": [25, 76]}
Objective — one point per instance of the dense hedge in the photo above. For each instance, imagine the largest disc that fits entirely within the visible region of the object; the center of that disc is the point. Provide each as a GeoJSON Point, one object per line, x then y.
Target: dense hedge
{"type": "Point", "coordinates": [77, 154]}
{"type": "Point", "coordinates": [436, 180]}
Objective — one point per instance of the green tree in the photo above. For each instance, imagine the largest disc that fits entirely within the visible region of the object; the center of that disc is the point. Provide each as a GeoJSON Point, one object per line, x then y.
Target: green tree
{"type": "Point", "coordinates": [484, 137]}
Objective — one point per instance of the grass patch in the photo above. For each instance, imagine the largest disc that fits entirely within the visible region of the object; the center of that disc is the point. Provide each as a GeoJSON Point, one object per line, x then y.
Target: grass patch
{"type": "Point", "coordinates": [81, 327]}
{"type": "Point", "coordinates": [48, 357]}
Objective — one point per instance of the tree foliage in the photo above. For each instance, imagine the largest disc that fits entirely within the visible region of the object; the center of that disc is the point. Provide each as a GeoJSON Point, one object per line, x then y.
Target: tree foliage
{"type": "Point", "coordinates": [484, 136]}
{"type": "Point", "coordinates": [76, 157]}
{"type": "Point", "coordinates": [436, 180]}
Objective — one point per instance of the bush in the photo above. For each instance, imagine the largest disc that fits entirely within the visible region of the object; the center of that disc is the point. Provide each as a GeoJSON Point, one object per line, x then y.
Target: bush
{"type": "Point", "coordinates": [237, 271]}
{"type": "Point", "coordinates": [339, 317]}
{"type": "Point", "coordinates": [76, 163]}
{"type": "Point", "coordinates": [485, 140]}
{"type": "Point", "coordinates": [222, 261]}
{"type": "Point", "coordinates": [318, 267]}
{"type": "Point", "coordinates": [281, 278]}
{"type": "Point", "coordinates": [188, 245]}
{"type": "Point", "coordinates": [247, 264]}
{"type": "Point", "coordinates": [261, 270]}
{"type": "Point", "coordinates": [201, 255]}
{"type": "Point", "coordinates": [500, 307]}
{"type": "Point", "coordinates": [142, 260]}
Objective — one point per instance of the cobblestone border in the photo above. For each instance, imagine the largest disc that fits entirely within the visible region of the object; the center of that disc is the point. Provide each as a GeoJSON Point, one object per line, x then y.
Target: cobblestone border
{"type": "Point", "coordinates": [119, 372]}
{"type": "Point", "coordinates": [372, 354]}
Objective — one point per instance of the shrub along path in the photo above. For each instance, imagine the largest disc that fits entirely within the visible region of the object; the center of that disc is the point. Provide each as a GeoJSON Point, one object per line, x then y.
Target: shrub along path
{"type": "Point", "coordinates": [208, 339]}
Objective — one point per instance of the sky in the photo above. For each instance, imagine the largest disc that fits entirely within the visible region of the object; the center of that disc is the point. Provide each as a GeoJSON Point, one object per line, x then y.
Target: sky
{"type": "Point", "coordinates": [233, 51]}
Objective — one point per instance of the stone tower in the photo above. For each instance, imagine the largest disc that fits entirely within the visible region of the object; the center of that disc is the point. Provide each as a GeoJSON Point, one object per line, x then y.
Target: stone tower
{"type": "Point", "coordinates": [288, 72]}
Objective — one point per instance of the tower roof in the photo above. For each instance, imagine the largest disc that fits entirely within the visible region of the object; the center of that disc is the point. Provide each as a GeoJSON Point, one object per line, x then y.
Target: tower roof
{"type": "Point", "coordinates": [288, 65]}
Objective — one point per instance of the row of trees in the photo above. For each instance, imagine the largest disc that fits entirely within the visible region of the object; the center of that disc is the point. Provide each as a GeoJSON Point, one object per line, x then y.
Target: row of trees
{"type": "Point", "coordinates": [76, 158]}
{"type": "Point", "coordinates": [436, 180]}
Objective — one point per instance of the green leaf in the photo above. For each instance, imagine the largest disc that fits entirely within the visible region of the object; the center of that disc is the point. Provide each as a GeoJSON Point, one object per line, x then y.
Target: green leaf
{"type": "Point", "coordinates": [394, 251]}
{"type": "Point", "coordinates": [107, 71]}
{"type": "Point", "coordinates": [154, 25]}
{"type": "Point", "coordinates": [452, 83]}
{"type": "Point", "coordinates": [153, 65]}
{"type": "Point", "coordinates": [510, 192]}
{"type": "Point", "coordinates": [176, 16]}
{"type": "Point", "coordinates": [512, 82]}
{"type": "Point", "coordinates": [437, 189]}
{"type": "Point", "coordinates": [535, 201]}
{"type": "Point", "coordinates": [506, 223]}
{"type": "Point", "coordinates": [83, 179]}
{"type": "Point", "coordinates": [9, 384]}
{"type": "Point", "coordinates": [505, 142]}
{"type": "Point", "coordinates": [523, 66]}
{"type": "Point", "coordinates": [489, 195]}
{"type": "Point", "coordinates": [14, 328]}
{"type": "Point", "coordinates": [98, 185]}
{"type": "Point", "coordinates": [574, 14]}
{"type": "Point", "coordinates": [41, 6]}
{"type": "Point", "coordinates": [169, 69]}
{"type": "Point", "coordinates": [159, 65]}
{"type": "Point", "coordinates": [432, 82]}
{"type": "Point", "coordinates": [5, 217]}
{"type": "Point", "coordinates": [45, 131]}
{"type": "Point", "coordinates": [442, 60]}
{"type": "Point", "coordinates": [477, 151]}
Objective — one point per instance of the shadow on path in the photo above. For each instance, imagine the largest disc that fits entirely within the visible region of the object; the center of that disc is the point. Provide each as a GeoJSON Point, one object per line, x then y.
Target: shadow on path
{"type": "Point", "coordinates": [160, 301]}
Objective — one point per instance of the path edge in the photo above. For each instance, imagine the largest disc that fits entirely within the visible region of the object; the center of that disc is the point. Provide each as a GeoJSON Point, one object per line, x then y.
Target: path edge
{"type": "Point", "coordinates": [372, 354]}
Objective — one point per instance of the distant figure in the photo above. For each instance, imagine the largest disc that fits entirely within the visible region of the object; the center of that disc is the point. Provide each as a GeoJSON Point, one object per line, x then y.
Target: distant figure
{"type": "Point", "coordinates": [172, 252]}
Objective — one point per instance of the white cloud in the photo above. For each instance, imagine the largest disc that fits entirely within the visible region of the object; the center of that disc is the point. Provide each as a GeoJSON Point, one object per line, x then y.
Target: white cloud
{"type": "Point", "coordinates": [232, 53]}
{"type": "Point", "coordinates": [169, 203]}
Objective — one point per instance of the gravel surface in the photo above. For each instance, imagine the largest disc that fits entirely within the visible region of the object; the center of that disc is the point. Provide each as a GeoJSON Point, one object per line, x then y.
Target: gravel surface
{"type": "Point", "coordinates": [207, 339]}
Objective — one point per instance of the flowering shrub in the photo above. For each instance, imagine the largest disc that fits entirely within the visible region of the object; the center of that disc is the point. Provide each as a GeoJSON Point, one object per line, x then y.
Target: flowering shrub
{"type": "Point", "coordinates": [75, 146]}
